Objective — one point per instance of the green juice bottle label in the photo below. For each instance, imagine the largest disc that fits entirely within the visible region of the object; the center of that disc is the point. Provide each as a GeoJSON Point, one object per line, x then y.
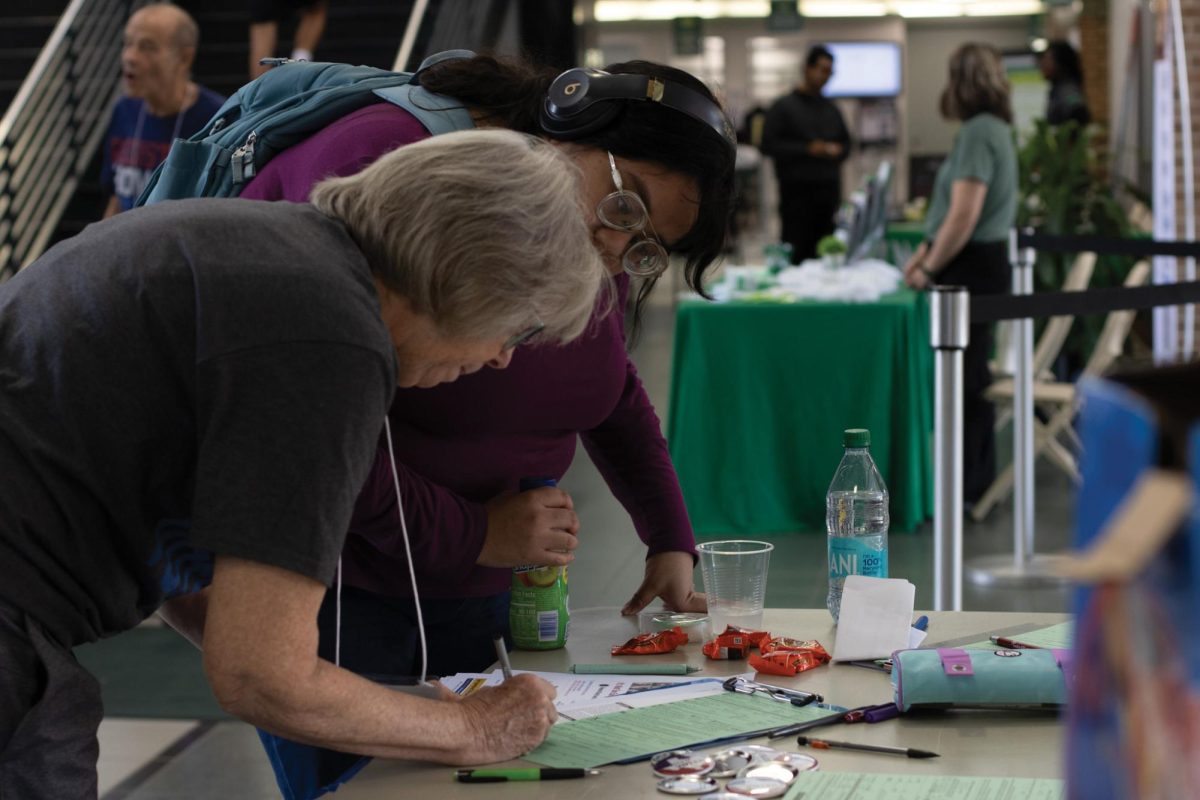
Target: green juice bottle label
{"type": "Point", "coordinates": [538, 610]}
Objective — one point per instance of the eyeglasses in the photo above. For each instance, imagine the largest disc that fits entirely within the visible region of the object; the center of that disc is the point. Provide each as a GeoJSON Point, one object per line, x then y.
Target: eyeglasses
{"type": "Point", "coordinates": [624, 211]}
{"type": "Point", "coordinates": [518, 339]}
{"type": "Point", "coordinates": [783, 695]}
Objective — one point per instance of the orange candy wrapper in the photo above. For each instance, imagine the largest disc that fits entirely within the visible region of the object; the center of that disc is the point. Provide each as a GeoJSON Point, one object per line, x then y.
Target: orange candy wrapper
{"type": "Point", "coordinates": [734, 644]}
{"type": "Point", "coordinates": [649, 644]}
{"type": "Point", "coordinates": [785, 656]}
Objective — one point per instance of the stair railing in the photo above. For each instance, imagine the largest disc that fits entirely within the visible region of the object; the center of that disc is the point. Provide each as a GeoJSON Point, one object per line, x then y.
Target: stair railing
{"type": "Point", "coordinates": [51, 130]}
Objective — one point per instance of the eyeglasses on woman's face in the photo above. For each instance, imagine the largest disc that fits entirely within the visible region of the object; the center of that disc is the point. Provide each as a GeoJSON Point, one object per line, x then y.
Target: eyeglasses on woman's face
{"type": "Point", "coordinates": [624, 211]}
{"type": "Point", "coordinates": [518, 339]}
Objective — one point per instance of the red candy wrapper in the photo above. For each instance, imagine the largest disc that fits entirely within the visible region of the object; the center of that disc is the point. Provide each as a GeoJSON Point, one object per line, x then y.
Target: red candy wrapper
{"type": "Point", "coordinates": [789, 656]}
{"type": "Point", "coordinates": [649, 644]}
{"type": "Point", "coordinates": [734, 644]}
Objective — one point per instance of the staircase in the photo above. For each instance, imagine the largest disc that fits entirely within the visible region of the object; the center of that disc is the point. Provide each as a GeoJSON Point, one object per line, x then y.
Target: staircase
{"type": "Point", "coordinates": [25, 25]}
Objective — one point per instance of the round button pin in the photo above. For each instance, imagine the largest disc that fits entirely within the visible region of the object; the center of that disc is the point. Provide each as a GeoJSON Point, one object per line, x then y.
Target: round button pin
{"type": "Point", "coordinates": [757, 787]}
{"type": "Point", "coordinates": [681, 762]}
{"type": "Point", "coordinates": [688, 784]}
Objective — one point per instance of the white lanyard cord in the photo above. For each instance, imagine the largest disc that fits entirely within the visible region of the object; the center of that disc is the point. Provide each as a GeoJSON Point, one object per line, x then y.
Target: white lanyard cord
{"type": "Point", "coordinates": [412, 573]}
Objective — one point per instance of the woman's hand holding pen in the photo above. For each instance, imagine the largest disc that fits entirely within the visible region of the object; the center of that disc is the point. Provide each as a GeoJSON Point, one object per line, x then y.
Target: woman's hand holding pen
{"type": "Point", "coordinates": [508, 720]}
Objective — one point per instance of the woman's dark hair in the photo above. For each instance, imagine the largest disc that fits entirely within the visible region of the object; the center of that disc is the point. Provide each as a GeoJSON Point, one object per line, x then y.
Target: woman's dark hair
{"type": "Point", "coordinates": [511, 93]}
{"type": "Point", "coordinates": [1067, 66]}
{"type": "Point", "coordinates": [977, 84]}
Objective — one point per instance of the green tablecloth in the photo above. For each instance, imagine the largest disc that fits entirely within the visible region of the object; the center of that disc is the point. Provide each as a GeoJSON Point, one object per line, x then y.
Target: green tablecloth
{"type": "Point", "coordinates": [761, 393]}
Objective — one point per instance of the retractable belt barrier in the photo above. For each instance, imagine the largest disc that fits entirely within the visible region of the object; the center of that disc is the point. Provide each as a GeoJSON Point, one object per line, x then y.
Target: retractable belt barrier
{"type": "Point", "coordinates": [951, 310]}
{"type": "Point", "coordinates": [1106, 245]}
{"type": "Point", "coordinates": [996, 307]}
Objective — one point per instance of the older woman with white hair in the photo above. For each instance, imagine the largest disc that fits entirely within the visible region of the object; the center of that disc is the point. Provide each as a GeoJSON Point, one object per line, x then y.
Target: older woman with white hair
{"type": "Point", "coordinates": [191, 396]}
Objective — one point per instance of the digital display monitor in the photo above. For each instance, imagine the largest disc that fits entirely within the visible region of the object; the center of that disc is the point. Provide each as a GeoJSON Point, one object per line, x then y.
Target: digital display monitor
{"type": "Point", "coordinates": [864, 69]}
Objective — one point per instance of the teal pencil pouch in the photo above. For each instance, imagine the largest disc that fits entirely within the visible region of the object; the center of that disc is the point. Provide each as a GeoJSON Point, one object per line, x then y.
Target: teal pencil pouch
{"type": "Point", "coordinates": [949, 677]}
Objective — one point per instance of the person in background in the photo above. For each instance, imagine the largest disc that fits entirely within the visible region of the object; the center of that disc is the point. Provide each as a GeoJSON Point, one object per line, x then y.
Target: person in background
{"type": "Point", "coordinates": [264, 29]}
{"type": "Point", "coordinates": [190, 400]}
{"type": "Point", "coordinates": [1066, 102]}
{"type": "Point", "coordinates": [656, 180]}
{"type": "Point", "coordinates": [974, 206]}
{"type": "Point", "coordinates": [161, 104]}
{"type": "Point", "coordinates": [806, 136]}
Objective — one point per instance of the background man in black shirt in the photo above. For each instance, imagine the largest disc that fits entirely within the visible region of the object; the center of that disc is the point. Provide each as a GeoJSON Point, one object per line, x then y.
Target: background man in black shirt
{"type": "Point", "coordinates": [807, 137]}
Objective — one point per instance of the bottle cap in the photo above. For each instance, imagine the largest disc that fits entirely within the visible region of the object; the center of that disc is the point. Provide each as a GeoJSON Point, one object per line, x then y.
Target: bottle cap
{"type": "Point", "coordinates": [856, 437]}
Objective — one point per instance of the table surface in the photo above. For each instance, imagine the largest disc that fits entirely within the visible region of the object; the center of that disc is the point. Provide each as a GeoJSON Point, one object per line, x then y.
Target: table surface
{"type": "Point", "coordinates": [760, 395]}
{"type": "Point", "coordinates": [973, 743]}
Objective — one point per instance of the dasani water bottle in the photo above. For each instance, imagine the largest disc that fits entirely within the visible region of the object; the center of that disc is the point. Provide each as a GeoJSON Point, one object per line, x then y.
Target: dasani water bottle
{"type": "Point", "coordinates": [856, 518]}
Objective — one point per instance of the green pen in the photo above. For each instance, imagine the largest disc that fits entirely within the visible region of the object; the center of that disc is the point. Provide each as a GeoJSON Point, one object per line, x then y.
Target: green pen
{"type": "Point", "coordinates": [521, 774]}
{"type": "Point", "coordinates": [633, 669]}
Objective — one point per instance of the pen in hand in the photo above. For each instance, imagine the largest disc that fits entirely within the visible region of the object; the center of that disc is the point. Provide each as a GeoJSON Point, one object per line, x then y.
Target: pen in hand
{"type": "Point", "coordinates": [521, 774]}
{"type": "Point", "coordinates": [825, 744]}
{"type": "Point", "coordinates": [502, 656]}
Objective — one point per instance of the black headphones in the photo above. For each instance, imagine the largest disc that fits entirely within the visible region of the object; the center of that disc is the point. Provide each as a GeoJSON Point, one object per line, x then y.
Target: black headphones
{"type": "Point", "coordinates": [580, 102]}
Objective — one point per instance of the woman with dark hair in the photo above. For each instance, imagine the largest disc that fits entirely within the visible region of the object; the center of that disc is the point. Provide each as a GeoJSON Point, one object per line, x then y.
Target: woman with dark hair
{"type": "Point", "coordinates": [973, 208]}
{"type": "Point", "coordinates": [657, 164]}
{"type": "Point", "coordinates": [1066, 102]}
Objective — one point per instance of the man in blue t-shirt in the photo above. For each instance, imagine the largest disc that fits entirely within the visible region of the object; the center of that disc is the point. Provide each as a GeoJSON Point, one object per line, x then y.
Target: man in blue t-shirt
{"type": "Point", "coordinates": [162, 102]}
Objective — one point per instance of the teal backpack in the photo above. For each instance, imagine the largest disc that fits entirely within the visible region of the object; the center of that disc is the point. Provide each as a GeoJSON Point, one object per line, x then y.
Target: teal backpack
{"type": "Point", "coordinates": [284, 107]}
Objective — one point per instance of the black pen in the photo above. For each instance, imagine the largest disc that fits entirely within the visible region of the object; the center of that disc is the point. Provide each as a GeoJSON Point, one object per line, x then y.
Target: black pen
{"type": "Point", "coordinates": [825, 744]}
{"type": "Point", "coordinates": [521, 774]}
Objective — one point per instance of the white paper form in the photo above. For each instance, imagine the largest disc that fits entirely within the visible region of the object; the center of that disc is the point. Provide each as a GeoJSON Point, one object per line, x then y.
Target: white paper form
{"type": "Point", "coordinates": [591, 695]}
{"type": "Point", "coordinates": [875, 618]}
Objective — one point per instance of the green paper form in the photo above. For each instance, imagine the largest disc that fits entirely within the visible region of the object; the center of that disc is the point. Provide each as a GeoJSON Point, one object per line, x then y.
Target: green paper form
{"type": "Point", "coordinates": [857, 786]}
{"type": "Point", "coordinates": [594, 741]}
{"type": "Point", "coordinates": [1055, 637]}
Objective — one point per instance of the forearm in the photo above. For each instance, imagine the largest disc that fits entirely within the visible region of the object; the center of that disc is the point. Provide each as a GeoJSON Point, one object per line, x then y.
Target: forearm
{"type": "Point", "coordinates": [334, 708]}
{"type": "Point", "coordinates": [952, 237]}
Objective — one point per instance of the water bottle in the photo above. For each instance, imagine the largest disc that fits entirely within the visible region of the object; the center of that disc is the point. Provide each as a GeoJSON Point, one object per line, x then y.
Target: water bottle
{"type": "Point", "coordinates": [856, 518]}
{"type": "Point", "coordinates": [538, 611]}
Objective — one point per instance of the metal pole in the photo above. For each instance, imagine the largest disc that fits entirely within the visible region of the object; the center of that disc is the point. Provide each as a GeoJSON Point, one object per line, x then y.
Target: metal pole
{"type": "Point", "coordinates": [1023, 548]}
{"type": "Point", "coordinates": [1025, 568]}
{"type": "Point", "coordinates": [949, 313]}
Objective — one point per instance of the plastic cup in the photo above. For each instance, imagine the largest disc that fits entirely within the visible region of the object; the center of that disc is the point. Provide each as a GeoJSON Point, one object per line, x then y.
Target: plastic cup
{"type": "Point", "coordinates": [735, 580]}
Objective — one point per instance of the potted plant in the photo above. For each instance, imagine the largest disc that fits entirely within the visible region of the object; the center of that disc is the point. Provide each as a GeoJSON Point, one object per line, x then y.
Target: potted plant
{"type": "Point", "coordinates": [1065, 189]}
{"type": "Point", "coordinates": [832, 251]}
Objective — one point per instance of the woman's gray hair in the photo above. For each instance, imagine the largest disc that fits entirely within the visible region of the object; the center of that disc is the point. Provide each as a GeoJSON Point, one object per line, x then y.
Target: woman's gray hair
{"type": "Point", "coordinates": [484, 231]}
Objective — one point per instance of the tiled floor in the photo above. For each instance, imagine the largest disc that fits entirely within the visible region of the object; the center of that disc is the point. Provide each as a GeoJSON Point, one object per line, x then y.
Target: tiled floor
{"type": "Point", "coordinates": [224, 759]}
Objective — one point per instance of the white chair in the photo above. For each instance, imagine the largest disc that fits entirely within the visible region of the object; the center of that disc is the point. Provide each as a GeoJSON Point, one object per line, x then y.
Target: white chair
{"type": "Point", "coordinates": [1057, 400]}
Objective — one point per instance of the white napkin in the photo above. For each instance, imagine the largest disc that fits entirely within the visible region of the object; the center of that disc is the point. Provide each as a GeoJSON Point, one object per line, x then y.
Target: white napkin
{"type": "Point", "coordinates": [875, 618]}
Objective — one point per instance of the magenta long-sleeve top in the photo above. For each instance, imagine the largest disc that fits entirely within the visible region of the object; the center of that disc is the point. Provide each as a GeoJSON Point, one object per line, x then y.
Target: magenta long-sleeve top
{"type": "Point", "coordinates": [461, 444]}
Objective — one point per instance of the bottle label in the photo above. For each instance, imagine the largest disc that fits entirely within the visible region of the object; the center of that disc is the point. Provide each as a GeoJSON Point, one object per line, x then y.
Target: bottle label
{"type": "Point", "coordinates": [539, 614]}
{"type": "Point", "coordinates": [852, 556]}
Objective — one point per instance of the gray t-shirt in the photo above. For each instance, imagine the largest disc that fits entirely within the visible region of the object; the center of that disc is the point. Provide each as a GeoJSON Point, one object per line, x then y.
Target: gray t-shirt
{"type": "Point", "coordinates": [195, 377]}
{"type": "Point", "coordinates": [984, 151]}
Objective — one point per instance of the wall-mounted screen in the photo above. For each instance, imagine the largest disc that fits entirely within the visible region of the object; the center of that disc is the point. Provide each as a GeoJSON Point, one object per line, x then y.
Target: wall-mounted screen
{"type": "Point", "coordinates": [864, 69]}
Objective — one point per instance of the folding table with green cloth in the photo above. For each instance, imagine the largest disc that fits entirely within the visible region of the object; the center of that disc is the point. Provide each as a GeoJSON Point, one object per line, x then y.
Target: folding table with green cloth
{"type": "Point", "coordinates": [761, 393]}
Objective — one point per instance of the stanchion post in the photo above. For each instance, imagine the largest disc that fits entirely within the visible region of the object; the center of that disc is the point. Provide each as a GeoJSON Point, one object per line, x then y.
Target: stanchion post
{"type": "Point", "coordinates": [949, 315]}
{"type": "Point", "coordinates": [1022, 259]}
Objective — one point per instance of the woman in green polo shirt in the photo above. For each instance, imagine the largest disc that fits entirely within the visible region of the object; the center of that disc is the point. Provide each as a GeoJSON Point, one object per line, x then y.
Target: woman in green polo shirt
{"type": "Point", "coordinates": [973, 208]}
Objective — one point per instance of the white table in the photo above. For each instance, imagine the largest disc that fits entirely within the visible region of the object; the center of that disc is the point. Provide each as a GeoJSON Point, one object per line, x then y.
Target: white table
{"type": "Point", "coordinates": [982, 743]}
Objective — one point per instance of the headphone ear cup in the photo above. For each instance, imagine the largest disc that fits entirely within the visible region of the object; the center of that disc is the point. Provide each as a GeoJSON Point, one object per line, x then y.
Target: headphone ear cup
{"type": "Point", "coordinates": [569, 113]}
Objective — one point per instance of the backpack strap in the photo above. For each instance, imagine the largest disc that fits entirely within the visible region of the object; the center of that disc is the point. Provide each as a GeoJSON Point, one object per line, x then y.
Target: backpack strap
{"type": "Point", "coordinates": [437, 113]}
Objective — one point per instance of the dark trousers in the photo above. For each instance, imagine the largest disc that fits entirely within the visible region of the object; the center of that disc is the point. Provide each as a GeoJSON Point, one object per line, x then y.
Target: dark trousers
{"type": "Point", "coordinates": [806, 212]}
{"type": "Point", "coordinates": [379, 634]}
{"type": "Point", "coordinates": [50, 710]}
{"type": "Point", "coordinates": [983, 268]}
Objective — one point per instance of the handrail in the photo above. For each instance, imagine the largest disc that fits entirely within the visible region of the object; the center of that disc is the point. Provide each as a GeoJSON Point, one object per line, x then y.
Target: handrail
{"type": "Point", "coordinates": [54, 125]}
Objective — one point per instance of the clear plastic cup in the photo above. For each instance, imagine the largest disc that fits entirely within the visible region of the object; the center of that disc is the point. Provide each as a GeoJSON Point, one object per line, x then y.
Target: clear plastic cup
{"type": "Point", "coordinates": [735, 580]}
